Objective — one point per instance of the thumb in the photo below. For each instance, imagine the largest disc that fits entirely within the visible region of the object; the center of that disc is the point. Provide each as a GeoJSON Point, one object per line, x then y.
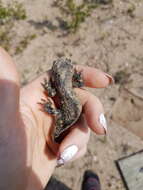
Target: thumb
{"type": "Point", "coordinates": [9, 84]}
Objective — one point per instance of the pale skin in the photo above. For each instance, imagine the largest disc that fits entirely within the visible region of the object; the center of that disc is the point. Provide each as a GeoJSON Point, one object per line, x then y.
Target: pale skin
{"type": "Point", "coordinates": [28, 156]}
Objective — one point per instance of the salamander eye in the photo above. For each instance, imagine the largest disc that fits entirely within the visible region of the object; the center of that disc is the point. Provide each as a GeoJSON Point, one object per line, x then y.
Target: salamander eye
{"type": "Point", "coordinates": [60, 122]}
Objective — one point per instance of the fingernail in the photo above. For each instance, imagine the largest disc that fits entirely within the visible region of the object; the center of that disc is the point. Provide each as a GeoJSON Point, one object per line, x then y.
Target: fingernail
{"type": "Point", "coordinates": [111, 79]}
{"type": "Point", "coordinates": [103, 122]}
{"type": "Point", "coordinates": [67, 155]}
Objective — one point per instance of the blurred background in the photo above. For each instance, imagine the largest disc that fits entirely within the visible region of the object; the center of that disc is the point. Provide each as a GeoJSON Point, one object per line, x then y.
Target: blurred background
{"type": "Point", "coordinates": [106, 34]}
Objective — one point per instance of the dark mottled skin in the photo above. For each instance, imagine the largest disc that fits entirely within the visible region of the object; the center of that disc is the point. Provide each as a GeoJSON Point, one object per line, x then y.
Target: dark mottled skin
{"type": "Point", "coordinates": [63, 78]}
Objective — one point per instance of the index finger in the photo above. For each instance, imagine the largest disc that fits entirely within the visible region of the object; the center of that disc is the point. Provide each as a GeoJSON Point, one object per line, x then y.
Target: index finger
{"type": "Point", "coordinates": [93, 77]}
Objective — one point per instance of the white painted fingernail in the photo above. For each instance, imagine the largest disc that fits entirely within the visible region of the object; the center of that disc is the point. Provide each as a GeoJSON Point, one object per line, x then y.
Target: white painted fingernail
{"type": "Point", "coordinates": [103, 122]}
{"type": "Point", "coordinates": [111, 79]}
{"type": "Point", "coordinates": [60, 162]}
{"type": "Point", "coordinates": [67, 154]}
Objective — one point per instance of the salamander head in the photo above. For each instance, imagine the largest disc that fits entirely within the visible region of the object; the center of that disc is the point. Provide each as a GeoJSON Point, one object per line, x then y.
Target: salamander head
{"type": "Point", "coordinates": [62, 64]}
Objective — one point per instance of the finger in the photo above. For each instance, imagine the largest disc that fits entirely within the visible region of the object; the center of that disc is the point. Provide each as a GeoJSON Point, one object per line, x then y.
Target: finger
{"type": "Point", "coordinates": [80, 153]}
{"type": "Point", "coordinates": [93, 110]}
{"type": "Point", "coordinates": [94, 78]}
{"type": "Point", "coordinates": [9, 83]}
{"type": "Point", "coordinates": [94, 116]}
{"type": "Point", "coordinates": [72, 145]}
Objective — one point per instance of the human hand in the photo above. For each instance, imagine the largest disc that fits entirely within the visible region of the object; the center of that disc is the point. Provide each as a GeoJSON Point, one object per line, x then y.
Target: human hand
{"type": "Point", "coordinates": [28, 155]}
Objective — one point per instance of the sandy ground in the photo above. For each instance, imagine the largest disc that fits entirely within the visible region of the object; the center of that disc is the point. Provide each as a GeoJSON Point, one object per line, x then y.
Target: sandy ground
{"type": "Point", "coordinates": [110, 39]}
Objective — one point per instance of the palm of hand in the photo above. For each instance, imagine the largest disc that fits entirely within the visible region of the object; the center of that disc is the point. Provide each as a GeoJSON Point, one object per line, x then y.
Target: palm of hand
{"type": "Point", "coordinates": [27, 151]}
{"type": "Point", "coordinates": [42, 151]}
{"type": "Point", "coordinates": [27, 134]}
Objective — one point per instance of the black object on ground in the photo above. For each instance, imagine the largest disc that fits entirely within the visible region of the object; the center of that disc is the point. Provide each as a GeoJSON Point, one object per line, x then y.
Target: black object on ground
{"type": "Point", "coordinates": [90, 181]}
